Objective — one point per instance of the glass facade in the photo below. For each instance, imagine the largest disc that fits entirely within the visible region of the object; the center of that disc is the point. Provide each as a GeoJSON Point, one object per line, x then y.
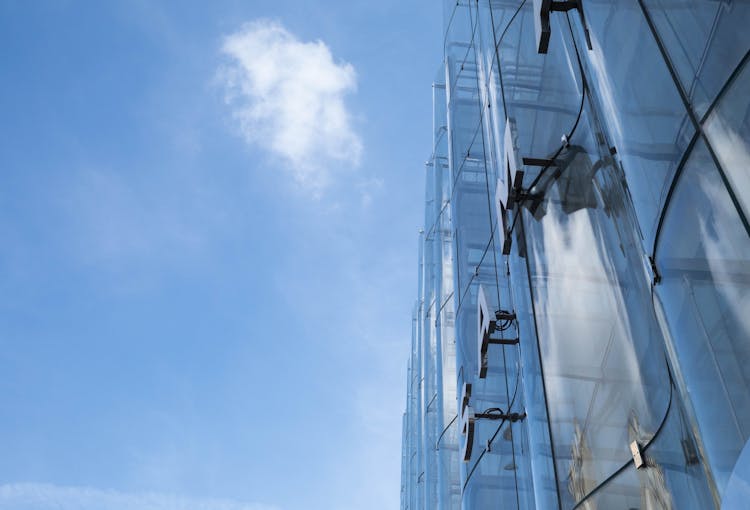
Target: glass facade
{"type": "Point", "coordinates": [581, 337]}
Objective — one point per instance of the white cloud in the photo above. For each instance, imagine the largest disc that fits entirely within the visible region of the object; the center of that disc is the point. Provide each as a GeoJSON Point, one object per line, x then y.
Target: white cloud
{"type": "Point", "coordinates": [33, 496]}
{"type": "Point", "coordinates": [288, 97]}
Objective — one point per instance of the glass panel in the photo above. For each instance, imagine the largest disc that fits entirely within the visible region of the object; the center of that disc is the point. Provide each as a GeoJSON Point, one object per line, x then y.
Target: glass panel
{"type": "Point", "coordinates": [737, 493]}
{"type": "Point", "coordinates": [623, 492]}
{"type": "Point", "coordinates": [542, 92]}
{"type": "Point", "coordinates": [642, 109]}
{"type": "Point", "coordinates": [599, 337]}
{"type": "Point", "coordinates": [541, 95]}
{"type": "Point", "coordinates": [671, 478]}
{"type": "Point", "coordinates": [728, 131]}
{"type": "Point", "coordinates": [705, 42]}
{"type": "Point", "coordinates": [495, 471]}
{"type": "Point", "coordinates": [704, 258]}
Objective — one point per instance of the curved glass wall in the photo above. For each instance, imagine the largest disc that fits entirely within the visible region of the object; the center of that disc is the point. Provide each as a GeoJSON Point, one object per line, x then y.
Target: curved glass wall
{"type": "Point", "coordinates": [728, 130]}
{"type": "Point", "coordinates": [737, 492]}
{"type": "Point", "coordinates": [639, 104]}
{"type": "Point", "coordinates": [628, 268]}
{"type": "Point", "coordinates": [430, 466]}
{"type": "Point", "coordinates": [605, 378]}
{"type": "Point", "coordinates": [705, 41]}
{"type": "Point", "coordinates": [540, 98]}
{"type": "Point", "coordinates": [498, 468]}
{"type": "Point", "coordinates": [703, 254]}
{"type": "Point", "coordinates": [669, 479]}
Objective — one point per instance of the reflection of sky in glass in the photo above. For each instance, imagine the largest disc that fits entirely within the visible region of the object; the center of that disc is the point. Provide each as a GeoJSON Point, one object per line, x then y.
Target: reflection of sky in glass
{"type": "Point", "coordinates": [597, 386]}
{"type": "Point", "coordinates": [705, 294]}
{"type": "Point", "coordinates": [737, 493]}
{"type": "Point", "coordinates": [646, 120]}
{"type": "Point", "coordinates": [605, 89]}
{"type": "Point", "coordinates": [733, 151]}
{"type": "Point", "coordinates": [717, 239]}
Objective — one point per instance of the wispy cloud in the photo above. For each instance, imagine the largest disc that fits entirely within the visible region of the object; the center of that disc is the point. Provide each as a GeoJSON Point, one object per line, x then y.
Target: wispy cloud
{"type": "Point", "coordinates": [33, 496]}
{"type": "Point", "coordinates": [288, 97]}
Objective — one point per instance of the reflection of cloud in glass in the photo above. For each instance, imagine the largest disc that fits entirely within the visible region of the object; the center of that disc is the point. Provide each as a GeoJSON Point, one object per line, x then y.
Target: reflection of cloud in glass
{"type": "Point", "coordinates": [589, 346]}
{"type": "Point", "coordinates": [725, 257]}
{"type": "Point", "coordinates": [733, 152]}
{"type": "Point", "coordinates": [737, 492]}
{"type": "Point", "coordinates": [606, 91]}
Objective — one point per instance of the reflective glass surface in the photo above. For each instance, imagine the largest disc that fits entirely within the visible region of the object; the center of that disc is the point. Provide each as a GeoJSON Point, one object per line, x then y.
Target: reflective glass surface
{"type": "Point", "coordinates": [704, 258]}
{"type": "Point", "coordinates": [640, 105]}
{"type": "Point", "coordinates": [599, 336]}
{"type": "Point", "coordinates": [496, 471]}
{"type": "Point", "coordinates": [728, 131]}
{"type": "Point", "coordinates": [737, 493]}
{"type": "Point", "coordinates": [670, 478]}
{"type": "Point", "coordinates": [604, 133]}
{"type": "Point", "coordinates": [430, 463]}
{"type": "Point", "coordinates": [705, 42]}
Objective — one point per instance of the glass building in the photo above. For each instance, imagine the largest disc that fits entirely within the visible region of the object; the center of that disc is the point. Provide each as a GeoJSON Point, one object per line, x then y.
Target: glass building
{"type": "Point", "coordinates": [581, 337]}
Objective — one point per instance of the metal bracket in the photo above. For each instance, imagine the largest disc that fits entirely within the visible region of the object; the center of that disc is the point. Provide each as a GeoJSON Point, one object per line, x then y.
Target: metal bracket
{"type": "Point", "coordinates": [542, 9]}
{"type": "Point", "coordinates": [502, 315]}
{"type": "Point", "coordinates": [504, 341]}
{"type": "Point", "coordinates": [511, 417]}
{"type": "Point", "coordinates": [635, 450]}
{"type": "Point", "coordinates": [507, 243]}
{"type": "Point", "coordinates": [654, 270]}
{"type": "Point", "coordinates": [539, 162]}
{"type": "Point", "coordinates": [516, 190]}
{"type": "Point", "coordinates": [690, 452]}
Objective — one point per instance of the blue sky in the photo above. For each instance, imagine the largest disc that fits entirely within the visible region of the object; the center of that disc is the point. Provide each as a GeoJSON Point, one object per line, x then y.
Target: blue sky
{"type": "Point", "coordinates": [209, 257]}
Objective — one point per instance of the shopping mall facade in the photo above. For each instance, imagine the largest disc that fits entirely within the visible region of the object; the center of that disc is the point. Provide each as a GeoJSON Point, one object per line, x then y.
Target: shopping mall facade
{"type": "Point", "coordinates": [581, 337]}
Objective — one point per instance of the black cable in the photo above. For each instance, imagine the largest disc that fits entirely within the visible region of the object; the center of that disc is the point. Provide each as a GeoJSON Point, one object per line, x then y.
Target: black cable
{"type": "Point", "coordinates": [505, 324]}
{"type": "Point", "coordinates": [497, 46]}
{"type": "Point", "coordinates": [491, 219]}
{"type": "Point", "coordinates": [568, 136]}
{"type": "Point", "coordinates": [462, 296]}
{"type": "Point", "coordinates": [497, 54]}
{"type": "Point", "coordinates": [463, 489]}
{"type": "Point", "coordinates": [497, 57]}
{"type": "Point", "coordinates": [647, 445]}
{"type": "Point", "coordinates": [448, 26]}
{"type": "Point", "coordinates": [474, 24]}
{"type": "Point", "coordinates": [492, 410]}
{"type": "Point", "coordinates": [493, 228]}
{"type": "Point", "coordinates": [476, 271]}
{"type": "Point", "coordinates": [494, 224]}
{"type": "Point", "coordinates": [437, 443]}
{"type": "Point", "coordinates": [468, 152]}
{"type": "Point", "coordinates": [643, 449]}
{"type": "Point", "coordinates": [497, 431]}
{"type": "Point", "coordinates": [447, 298]}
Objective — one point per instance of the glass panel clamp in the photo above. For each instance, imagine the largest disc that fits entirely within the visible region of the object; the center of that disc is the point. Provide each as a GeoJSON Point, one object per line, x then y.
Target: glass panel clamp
{"type": "Point", "coordinates": [497, 414]}
{"type": "Point", "coordinates": [469, 417]}
{"type": "Point", "coordinates": [637, 452]}
{"type": "Point", "coordinates": [542, 10]}
{"type": "Point", "coordinates": [486, 327]}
